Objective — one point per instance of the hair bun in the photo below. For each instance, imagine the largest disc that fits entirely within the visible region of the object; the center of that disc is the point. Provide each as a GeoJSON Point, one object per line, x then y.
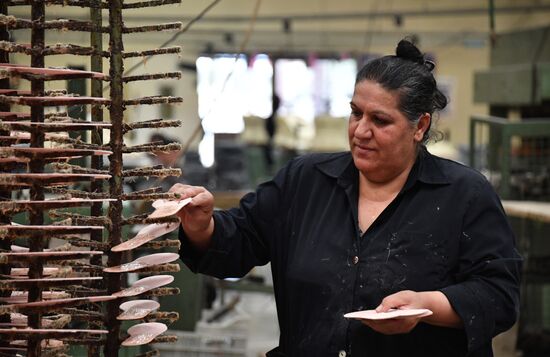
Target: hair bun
{"type": "Point", "coordinates": [408, 51]}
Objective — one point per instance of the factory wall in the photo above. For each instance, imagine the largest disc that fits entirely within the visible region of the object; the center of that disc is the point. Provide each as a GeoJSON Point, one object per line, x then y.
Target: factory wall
{"type": "Point", "coordinates": [458, 42]}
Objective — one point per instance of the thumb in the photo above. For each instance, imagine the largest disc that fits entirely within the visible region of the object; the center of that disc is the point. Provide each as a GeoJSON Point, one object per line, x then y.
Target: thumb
{"type": "Point", "coordinates": [181, 214]}
{"type": "Point", "coordinates": [393, 301]}
{"type": "Point", "coordinates": [383, 307]}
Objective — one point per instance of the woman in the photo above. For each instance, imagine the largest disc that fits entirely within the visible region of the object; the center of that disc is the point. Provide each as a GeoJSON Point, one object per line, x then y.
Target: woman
{"type": "Point", "coordinates": [386, 225]}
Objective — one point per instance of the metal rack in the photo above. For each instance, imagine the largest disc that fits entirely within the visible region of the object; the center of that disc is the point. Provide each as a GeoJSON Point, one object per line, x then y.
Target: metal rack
{"type": "Point", "coordinates": [515, 155]}
{"type": "Point", "coordinates": [35, 320]}
{"type": "Point", "coordinates": [531, 223]}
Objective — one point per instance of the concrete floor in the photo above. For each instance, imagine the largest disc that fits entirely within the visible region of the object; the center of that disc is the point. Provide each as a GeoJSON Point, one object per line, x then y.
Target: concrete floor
{"type": "Point", "coordinates": [254, 316]}
{"type": "Point", "coordinates": [504, 345]}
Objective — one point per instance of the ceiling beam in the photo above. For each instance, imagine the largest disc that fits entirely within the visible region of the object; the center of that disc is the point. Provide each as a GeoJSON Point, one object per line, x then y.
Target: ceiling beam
{"type": "Point", "coordinates": [472, 11]}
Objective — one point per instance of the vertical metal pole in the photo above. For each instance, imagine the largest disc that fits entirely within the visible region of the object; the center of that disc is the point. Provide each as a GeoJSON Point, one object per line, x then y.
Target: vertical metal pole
{"type": "Point", "coordinates": [472, 152]}
{"type": "Point", "coordinates": [505, 163]}
{"type": "Point", "coordinates": [116, 112]}
{"type": "Point", "coordinates": [97, 115]}
{"type": "Point", "coordinates": [96, 40]}
{"type": "Point", "coordinates": [4, 55]}
{"type": "Point", "coordinates": [4, 84]}
{"type": "Point", "coordinates": [492, 32]}
{"type": "Point", "coordinates": [96, 210]}
{"type": "Point", "coordinates": [36, 166]}
{"type": "Point", "coordinates": [4, 195]}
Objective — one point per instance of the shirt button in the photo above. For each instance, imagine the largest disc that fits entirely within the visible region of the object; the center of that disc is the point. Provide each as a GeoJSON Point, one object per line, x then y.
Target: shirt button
{"type": "Point", "coordinates": [342, 354]}
{"type": "Point", "coordinates": [355, 259]}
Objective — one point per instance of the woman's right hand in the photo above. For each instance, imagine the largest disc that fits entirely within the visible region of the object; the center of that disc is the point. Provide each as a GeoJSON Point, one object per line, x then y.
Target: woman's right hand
{"type": "Point", "coordinates": [196, 216]}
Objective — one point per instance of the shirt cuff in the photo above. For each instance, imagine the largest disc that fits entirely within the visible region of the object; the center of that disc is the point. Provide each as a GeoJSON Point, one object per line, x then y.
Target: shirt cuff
{"type": "Point", "coordinates": [468, 303]}
{"type": "Point", "coordinates": [196, 260]}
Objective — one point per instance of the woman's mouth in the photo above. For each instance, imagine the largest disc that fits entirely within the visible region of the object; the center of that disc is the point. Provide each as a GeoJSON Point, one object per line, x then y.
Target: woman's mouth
{"type": "Point", "coordinates": [364, 148]}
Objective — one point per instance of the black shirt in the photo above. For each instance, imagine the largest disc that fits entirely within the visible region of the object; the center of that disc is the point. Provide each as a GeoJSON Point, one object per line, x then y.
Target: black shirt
{"type": "Point", "coordinates": [446, 230]}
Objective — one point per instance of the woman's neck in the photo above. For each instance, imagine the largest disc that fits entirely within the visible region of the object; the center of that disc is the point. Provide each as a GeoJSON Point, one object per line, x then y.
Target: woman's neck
{"type": "Point", "coordinates": [375, 196]}
{"type": "Point", "coordinates": [385, 190]}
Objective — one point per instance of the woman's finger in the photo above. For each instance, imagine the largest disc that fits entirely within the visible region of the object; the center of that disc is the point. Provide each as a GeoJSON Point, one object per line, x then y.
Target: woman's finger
{"type": "Point", "coordinates": [186, 190]}
{"type": "Point", "coordinates": [177, 188]}
{"type": "Point", "coordinates": [203, 199]}
{"type": "Point", "coordinates": [398, 300]}
{"type": "Point", "coordinates": [393, 326]}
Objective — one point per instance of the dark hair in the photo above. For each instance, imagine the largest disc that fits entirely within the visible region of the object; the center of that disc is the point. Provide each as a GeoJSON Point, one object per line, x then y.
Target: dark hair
{"type": "Point", "coordinates": [410, 74]}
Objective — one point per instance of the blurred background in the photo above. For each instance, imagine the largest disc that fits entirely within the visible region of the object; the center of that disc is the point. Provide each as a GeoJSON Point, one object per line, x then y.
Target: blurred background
{"type": "Point", "coordinates": [264, 81]}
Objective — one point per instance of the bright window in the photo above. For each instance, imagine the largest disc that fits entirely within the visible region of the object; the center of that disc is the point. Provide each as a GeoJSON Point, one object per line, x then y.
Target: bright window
{"type": "Point", "coordinates": [228, 89]}
{"type": "Point", "coordinates": [221, 98]}
{"type": "Point", "coordinates": [258, 87]}
{"type": "Point", "coordinates": [334, 82]}
{"type": "Point", "coordinates": [325, 87]}
{"type": "Point", "coordinates": [294, 86]}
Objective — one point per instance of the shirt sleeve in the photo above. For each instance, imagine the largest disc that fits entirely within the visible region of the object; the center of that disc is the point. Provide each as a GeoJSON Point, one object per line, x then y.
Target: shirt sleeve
{"type": "Point", "coordinates": [243, 236]}
{"type": "Point", "coordinates": [486, 295]}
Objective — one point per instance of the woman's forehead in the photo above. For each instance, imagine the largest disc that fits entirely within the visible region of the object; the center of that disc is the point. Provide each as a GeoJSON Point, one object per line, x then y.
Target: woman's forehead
{"type": "Point", "coordinates": [368, 91]}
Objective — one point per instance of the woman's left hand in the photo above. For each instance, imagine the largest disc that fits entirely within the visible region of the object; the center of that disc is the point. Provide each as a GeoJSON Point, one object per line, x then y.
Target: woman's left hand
{"type": "Point", "coordinates": [437, 302]}
{"type": "Point", "coordinates": [405, 299]}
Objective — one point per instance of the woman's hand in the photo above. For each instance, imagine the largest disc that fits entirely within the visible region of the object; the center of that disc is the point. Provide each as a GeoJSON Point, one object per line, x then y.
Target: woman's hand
{"type": "Point", "coordinates": [443, 313]}
{"type": "Point", "coordinates": [402, 300]}
{"type": "Point", "coordinates": [196, 216]}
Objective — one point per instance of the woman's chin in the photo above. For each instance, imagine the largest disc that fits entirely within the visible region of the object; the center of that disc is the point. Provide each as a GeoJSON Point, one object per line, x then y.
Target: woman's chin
{"type": "Point", "coordinates": [365, 164]}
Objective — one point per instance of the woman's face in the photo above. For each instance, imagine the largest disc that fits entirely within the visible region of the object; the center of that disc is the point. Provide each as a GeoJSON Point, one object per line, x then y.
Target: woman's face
{"type": "Point", "coordinates": [382, 140]}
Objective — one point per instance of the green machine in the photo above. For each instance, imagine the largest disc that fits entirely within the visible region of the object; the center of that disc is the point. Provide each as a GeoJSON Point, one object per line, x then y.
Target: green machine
{"type": "Point", "coordinates": [519, 76]}
{"type": "Point", "coordinates": [512, 145]}
{"type": "Point", "coordinates": [512, 148]}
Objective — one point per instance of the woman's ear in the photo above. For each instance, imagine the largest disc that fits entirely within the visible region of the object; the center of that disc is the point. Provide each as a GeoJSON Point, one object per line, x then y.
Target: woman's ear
{"type": "Point", "coordinates": [422, 126]}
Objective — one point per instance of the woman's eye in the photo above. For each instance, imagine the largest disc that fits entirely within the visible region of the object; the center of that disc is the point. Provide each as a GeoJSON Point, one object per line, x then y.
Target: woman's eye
{"type": "Point", "coordinates": [380, 121]}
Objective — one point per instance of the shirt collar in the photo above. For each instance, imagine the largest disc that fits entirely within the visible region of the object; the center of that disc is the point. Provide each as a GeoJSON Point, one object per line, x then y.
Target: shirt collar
{"type": "Point", "coordinates": [429, 170]}
{"type": "Point", "coordinates": [426, 169]}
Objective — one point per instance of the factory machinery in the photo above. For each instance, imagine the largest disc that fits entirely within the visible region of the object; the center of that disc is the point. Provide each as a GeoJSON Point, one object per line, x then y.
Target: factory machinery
{"type": "Point", "coordinates": [77, 293]}
{"type": "Point", "coordinates": [512, 148]}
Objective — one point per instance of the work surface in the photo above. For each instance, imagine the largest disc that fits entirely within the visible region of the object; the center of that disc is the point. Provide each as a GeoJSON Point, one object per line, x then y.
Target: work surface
{"type": "Point", "coordinates": [538, 211]}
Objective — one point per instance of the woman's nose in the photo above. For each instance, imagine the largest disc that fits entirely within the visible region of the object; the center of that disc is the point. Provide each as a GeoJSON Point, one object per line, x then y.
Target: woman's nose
{"type": "Point", "coordinates": [364, 129]}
